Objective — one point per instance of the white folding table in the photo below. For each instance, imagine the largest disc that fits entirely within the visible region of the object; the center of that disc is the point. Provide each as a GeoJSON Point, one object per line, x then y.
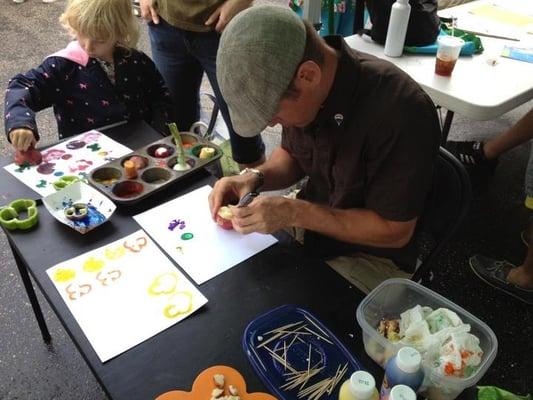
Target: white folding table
{"type": "Point", "coordinates": [476, 89]}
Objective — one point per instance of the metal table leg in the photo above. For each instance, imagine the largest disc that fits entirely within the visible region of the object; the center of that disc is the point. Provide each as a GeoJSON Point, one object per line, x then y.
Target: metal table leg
{"type": "Point", "coordinates": [23, 271]}
{"type": "Point", "coordinates": [446, 128]}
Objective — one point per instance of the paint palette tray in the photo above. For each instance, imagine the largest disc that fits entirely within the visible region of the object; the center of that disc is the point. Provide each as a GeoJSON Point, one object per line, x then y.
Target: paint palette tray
{"type": "Point", "coordinates": [99, 207]}
{"type": "Point", "coordinates": [296, 356]}
{"type": "Point", "coordinates": [154, 168]}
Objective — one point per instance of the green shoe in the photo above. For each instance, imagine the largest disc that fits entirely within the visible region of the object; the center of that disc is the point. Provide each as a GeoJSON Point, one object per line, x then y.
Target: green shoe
{"type": "Point", "coordinates": [494, 273]}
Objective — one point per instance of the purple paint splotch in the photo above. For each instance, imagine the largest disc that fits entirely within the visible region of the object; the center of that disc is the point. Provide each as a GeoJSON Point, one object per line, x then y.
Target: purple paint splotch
{"type": "Point", "coordinates": [46, 168]}
{"type": "Point", "coordinates": [176, 223]}
{"type": "Point", "coordinates": [75, 144]}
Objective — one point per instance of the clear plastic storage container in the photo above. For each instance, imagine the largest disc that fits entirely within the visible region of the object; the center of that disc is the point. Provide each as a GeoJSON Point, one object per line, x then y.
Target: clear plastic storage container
{"type": "Point", "coordinates": [395, 296]}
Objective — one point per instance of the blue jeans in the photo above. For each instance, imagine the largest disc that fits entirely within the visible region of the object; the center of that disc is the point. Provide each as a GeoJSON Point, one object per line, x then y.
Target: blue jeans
{"type": "Point", "coordinates": [182, 57]}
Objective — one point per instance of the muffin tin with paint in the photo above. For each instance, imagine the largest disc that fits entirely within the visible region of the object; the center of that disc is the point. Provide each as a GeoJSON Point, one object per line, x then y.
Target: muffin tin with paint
{"type": "Point", "coordinates": [157, 172]}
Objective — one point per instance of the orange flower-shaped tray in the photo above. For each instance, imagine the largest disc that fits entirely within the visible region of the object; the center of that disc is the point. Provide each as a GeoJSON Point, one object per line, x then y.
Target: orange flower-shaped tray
{"type": "Point", "coordinates": [204, 384]}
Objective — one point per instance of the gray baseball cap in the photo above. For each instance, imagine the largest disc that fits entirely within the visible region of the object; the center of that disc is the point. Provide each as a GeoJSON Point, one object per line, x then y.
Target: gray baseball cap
{"type": "Point", "coordinates": [257, 58]}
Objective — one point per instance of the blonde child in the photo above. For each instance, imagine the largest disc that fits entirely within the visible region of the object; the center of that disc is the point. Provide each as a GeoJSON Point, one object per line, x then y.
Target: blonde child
{"type": "Point", "coordinates": [97, 80]}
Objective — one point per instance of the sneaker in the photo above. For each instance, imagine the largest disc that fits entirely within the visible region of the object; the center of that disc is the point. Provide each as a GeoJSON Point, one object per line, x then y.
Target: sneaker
{"type": "Point", "coordinates": [471, 154]}
{"type": "Point", "coordinates": [495, 272]}
{"type": "Point", "coordinates": [19, 1]}
{"type": "Point", "coordinates": [524, 235]}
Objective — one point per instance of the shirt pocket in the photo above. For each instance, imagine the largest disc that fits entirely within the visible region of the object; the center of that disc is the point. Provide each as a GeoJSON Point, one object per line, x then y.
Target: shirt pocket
{"type": "Point", "coordinates": [304, 158]}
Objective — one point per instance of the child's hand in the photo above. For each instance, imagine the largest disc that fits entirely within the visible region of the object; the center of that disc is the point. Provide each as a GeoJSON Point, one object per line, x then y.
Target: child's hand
{"type": "Point", "coordinates": [21, 138]}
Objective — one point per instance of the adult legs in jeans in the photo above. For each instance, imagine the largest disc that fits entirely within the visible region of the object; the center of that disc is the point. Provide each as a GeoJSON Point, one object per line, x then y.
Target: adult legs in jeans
{"type": "Point", "coordinates": [181, 71]}
{"type": "Point", "coordinates": [182, 57]}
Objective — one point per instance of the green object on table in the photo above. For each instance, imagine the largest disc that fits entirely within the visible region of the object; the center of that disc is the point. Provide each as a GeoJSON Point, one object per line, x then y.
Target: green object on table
{"type": "Point", "coordinates": [9, 214]}
{"type": "Point", "coordinates": [64, 181]}
{"type": "Point", "coordinates": [495, 393]}
{"type": "Point", "coordinates": [77, 211]}
{"type": "Point", "coordinates": [179, 145]}
{"type": "Point", "coordinates": [467, 37]}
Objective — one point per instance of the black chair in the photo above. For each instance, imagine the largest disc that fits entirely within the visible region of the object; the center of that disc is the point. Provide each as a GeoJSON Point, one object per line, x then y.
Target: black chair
{"type": "Point", "coordinates": [446, 207]}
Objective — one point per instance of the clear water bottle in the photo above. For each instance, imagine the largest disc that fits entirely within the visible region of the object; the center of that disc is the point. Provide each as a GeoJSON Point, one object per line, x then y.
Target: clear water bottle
{"type": "Point", "coordinates": [399, 19]}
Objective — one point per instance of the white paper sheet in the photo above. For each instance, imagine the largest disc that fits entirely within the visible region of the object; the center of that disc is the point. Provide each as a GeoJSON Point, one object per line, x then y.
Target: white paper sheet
{"type": "Point", "coordinates": [75, 156]}
{"type": "Point", "coordinates": [124, 293]}
{"type": "Point", "coordinates": [211, 250]}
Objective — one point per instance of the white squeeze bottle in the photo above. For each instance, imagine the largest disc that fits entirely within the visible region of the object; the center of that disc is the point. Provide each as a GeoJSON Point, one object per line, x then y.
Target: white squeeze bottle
{"type": "Point", "coordinates": [399, 19]}
{"type": "Point", "coordinates": [360, 386]}
{"type": "Point", "coordinates": [402, 392]}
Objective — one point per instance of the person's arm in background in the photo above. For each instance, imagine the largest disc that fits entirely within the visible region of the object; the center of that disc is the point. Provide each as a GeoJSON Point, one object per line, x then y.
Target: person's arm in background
{"type": "Point", "coordinates": [224, 14]}
{"type": "Point", "coordinates": [148, 12]}
{"type": "Point", "coordinates": [27, 94]}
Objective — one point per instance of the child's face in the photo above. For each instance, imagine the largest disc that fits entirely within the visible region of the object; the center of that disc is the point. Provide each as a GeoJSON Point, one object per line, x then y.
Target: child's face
{"type": "Point", "coordinates": [102, 49]}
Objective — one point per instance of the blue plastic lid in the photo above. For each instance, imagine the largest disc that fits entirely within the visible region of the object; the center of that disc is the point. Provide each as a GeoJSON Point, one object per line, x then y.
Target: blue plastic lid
{"type": "Point", "coordinates": [288, 343]}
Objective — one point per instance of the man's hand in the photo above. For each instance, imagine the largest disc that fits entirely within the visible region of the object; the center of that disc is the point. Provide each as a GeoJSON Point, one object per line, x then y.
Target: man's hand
{"type": "Point", "coordinates": [148, 12]}
{"type": "Point", "coordinates": [22, 138]}
{"type": "Point", "coordinates": [263, 215]}
{"type": "Point", "coordinates": [223, 14]}
{"type": "Point", "coordinates": [229, 190]}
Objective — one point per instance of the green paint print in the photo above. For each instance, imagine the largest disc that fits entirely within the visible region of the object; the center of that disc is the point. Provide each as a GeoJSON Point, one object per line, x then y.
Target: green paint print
{"type": "Point", "coordinates": [25, 165]}
{"type": "Point", "coordinates": [187, 236]}
{"type": "Point", "coordinates": [94, 147]}
{"type": "Point", "coordinates": [42, 183]}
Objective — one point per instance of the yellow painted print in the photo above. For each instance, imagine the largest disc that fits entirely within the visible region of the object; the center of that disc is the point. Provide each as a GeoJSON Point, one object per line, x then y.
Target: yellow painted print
{"type": "Point", "coordinates": [114, 253]}
{"type": "Point", "coordinates": [181, 303]}
{"type": "Point", "coordinates": [163, 284]}
{"type": "Point", "coordinates": [93, 264]}
{"type": "Point", "coordinates": [62, 275]}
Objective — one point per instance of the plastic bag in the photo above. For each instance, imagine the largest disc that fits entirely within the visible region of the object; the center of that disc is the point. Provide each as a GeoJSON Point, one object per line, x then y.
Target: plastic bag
{"type": "Point", "coordinates": [495, 393]}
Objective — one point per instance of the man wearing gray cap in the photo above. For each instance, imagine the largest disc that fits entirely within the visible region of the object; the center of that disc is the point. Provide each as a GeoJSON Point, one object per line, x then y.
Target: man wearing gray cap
{"type": "Point", "coordinates": [363, 132]}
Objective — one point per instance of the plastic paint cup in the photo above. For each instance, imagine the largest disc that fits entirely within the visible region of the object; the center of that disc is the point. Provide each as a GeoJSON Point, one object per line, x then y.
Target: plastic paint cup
{"type": "Point", "coordinates": [447, 54]}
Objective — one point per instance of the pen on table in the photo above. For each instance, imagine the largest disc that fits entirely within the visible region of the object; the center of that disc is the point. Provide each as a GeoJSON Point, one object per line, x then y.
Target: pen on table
{"type": "Point", "coordinates": [247, 199]}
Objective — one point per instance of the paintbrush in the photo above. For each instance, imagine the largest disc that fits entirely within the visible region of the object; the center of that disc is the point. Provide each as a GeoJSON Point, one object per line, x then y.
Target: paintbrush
{"type": "Point", "coordinates": [181, 164]}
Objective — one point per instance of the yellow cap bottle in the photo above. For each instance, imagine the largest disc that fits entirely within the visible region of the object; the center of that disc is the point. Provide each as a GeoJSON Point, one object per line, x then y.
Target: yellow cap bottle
{"type": "Point", "coordinates": [360, 386]}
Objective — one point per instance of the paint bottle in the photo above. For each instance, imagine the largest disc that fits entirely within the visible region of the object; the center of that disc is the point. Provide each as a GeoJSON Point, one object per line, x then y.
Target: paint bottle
{"type": "Point", "coordinates": [360, 386]}
{"type": "Point", "coordinates": [403, 369]}
{"type": "Point", "coordinates": [402, 392]}
{"type": "Point", "coordinates": [397, 29]}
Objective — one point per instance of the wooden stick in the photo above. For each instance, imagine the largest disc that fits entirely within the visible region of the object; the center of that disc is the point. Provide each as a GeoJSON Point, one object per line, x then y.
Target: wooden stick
{"type": "Point", "coordinates": [270, 339]}
{"type": "Point", "coordinates": [316, 326]}
{"type": "Point", "coordinates": [259, 359]}
{"type": "Point", "coordinates": [318, 335]}
{"type": "Point", "coordinates": [283, 327]}
{"type": "Point", "coordinates": [279, 359]}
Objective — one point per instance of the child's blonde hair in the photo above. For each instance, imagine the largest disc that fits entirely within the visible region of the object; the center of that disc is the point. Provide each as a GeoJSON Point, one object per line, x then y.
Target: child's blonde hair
{"type": "Point", "coordinates": [102, 20]}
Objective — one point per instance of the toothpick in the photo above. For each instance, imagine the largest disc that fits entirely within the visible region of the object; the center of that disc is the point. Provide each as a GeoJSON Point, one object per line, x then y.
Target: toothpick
{"type": "Point", "coordinates": [316, 326]}
{"type": "Point", "coordinates": [309, 359]}
{"type": "Point", "coordinates": [283, 327]}
{"type": "Point", "coordinates": [279, 359]}
{"type": "Point", "coordinates": [270, 339]}
{"type": "Point", "coordinates": [258, 358]}
{"type": "Point", "coordinates": [318, 335]}
{"type": "Point", "coordinates": [285, 353]}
